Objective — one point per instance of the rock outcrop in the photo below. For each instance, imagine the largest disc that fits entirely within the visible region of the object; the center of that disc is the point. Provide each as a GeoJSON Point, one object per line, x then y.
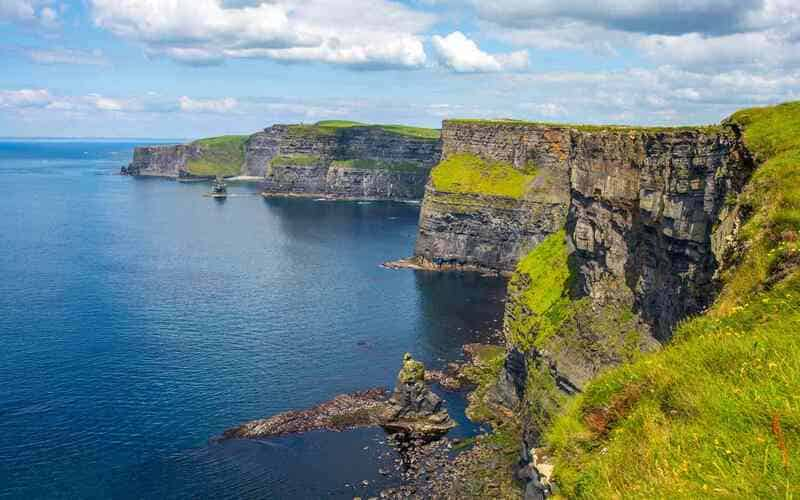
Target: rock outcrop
{"type": "Point", "coordinates": [414, 409]}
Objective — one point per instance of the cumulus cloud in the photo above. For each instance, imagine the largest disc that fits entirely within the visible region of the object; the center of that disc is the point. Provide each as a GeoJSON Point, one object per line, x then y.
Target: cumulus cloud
{"type": "Point", "coordinates": [461, 54]}
{"type": "Point", "coordinates": [357, 33]}
{"type": "Point", "coordinates": [208, 105]}
{"type": "Point", "coordinates": [29, 11]}
{"type": "Point", "coordinates": [702, 35]}
{"type": "Point", "coordinates": [641, 16]}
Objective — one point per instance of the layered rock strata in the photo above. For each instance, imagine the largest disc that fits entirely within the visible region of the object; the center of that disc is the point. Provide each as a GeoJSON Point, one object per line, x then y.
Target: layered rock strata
{"type": "Point", "coordinates": [359, 162]}
{"type": "Point", "coordinates": [474, 230]}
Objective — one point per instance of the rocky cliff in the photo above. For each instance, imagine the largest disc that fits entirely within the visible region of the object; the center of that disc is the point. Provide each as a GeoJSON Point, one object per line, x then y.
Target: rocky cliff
{"type": "Point", "coordinates": [160, 161]}
{"type": "Point", "coordinates": [349, 162]}
{"type": "Point", "coordinates": [341, 159]}
{"type": "Point", "coordinates": [467, 222]}
{"type": "Point", "coordinates": [649, 219]}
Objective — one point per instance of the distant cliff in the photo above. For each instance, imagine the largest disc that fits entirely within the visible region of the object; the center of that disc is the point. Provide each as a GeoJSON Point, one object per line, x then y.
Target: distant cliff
{"type": "Point", "coordinates": [333, 158]}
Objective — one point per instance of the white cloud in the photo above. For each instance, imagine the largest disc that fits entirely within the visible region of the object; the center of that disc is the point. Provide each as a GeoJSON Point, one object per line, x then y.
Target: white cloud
{"type": "Point", "coordinates": [461, 54]}
{"type": "Point", "coordinates": [357, 33]}
{"type": "Point", "coordinates": [24, 98]}
{"type": "Point", "coordinates": [640, 16]}
{"type": "Point", "coordinates": [754, 50]}
{"type": "Point", "coordinates": [224, 105]}
{"type": "Point", "coordinates": [29, 11]}
{"type": "Point", "coordinates": [67, 56]}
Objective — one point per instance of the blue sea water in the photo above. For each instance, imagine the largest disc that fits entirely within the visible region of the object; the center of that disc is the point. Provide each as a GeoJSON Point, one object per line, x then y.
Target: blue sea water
{"type": "Point", "coordinates": [139, 319]}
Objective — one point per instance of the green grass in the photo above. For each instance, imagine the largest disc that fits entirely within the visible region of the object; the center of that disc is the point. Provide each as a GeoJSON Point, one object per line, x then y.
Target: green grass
{"type": "Point", "coordinates": [333, 127]}
{"type": "Point", "coordinates": [218, 156]}
{"type": "Point", "coordinates": [467, 173]}
{"type": "Point", "coordinates": [717, 412]}
{"type": "Point", "coordinates": [538, 294]}
{"type": "Point", "coordinates": [709, 129]}
{"type": "Point", "coordinates": [483, 372]}
{"type": "Point", "coordinates": [296, 160]}
{"type": "Point", "coordinates": [367, 164]}
{"type": "Point", "coordinates": [708, 416]}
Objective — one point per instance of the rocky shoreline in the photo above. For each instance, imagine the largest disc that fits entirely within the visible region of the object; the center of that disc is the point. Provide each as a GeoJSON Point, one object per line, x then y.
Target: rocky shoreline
{"type": "Point", "coordinates": [421, 264]}
{"type": "Point", "coordinates": [430, 464]}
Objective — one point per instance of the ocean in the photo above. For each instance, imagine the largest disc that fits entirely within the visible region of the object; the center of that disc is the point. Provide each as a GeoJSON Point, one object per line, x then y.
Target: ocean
{"type": "Point", "coordinates": [139, 320]}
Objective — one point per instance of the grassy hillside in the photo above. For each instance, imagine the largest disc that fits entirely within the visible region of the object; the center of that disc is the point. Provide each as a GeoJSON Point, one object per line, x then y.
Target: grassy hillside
{"type": "Point", "coordinates": [467, 173]}
{"type": "Point", "coordinates": [219, 156]}
{"type": "Point", "coordinates": [717, 412]}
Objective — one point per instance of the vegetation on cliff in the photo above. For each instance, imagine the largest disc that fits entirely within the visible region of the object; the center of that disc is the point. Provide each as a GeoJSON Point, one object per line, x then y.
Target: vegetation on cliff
{"type": "Point", "coordinates": [538, 294]}
{"type": "Point", "coordinates": [296, 160]}
{"type": "Point", "coordinates": [371, 164]}
{"type": "Point", "coordinates": [470, 174]}
{"type": "Point", "coordinates": [218, 156]}
{"type": "Point", "coordinates": [332, 127]}
{"type": "Point", "coordinates": [710, 129]}
{"type": "Point", "coordinates": [717, 412]}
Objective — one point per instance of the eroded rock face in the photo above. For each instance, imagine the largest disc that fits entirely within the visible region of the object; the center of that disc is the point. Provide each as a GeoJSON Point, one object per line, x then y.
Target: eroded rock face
{"type": "Point", "coordinates": [161, 161]}
{"type": "Point", "coordinates": [474, 231]}
{"type": "Point", "coordinates": [356, 162]}
{"type": "Point", "coordinates": [414, 409]}
{"type": "Point", "coordinates": [642, 214]}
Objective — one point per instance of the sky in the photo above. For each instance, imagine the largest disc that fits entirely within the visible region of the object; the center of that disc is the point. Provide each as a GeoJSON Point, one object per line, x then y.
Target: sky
{"type": "Point", "coordinates": [195, 68]}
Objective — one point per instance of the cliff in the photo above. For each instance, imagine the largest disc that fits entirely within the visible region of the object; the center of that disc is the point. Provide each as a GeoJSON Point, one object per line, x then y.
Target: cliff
{"type": "Point", "coordinates": [648, 340]}
{"type": "Point", "coordinates": [333, 158]}
{"type": "Point", "coordinates": [204, 158]}
{"type": "Point", "coordinates": [351, 161]}
{"type": "Point", "coordinates": [500, 189]}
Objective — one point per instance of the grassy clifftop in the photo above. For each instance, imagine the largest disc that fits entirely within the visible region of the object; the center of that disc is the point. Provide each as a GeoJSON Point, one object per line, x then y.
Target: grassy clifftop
{"type": "Point", "coordinates": [331, 127]}
{"type": "Point", "coordinates": [716, 412]}
{"type": "Point", "coordinates": [469, 174]}
{"type": "Point", "coordinates": [218, 156]}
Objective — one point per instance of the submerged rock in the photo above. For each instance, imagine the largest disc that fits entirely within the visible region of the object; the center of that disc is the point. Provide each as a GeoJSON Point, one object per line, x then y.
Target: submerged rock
{"type": "Point", "coordinates": [414, 409]}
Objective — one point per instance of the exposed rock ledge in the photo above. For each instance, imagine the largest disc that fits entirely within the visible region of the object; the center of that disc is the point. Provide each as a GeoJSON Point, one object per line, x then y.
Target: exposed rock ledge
{"type": "Point", "coordinates": [419, 263]}
{"type": "Point", "coordinates": [413, 409]}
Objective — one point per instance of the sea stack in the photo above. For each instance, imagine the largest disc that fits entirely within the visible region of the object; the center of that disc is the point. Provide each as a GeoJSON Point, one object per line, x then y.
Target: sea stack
{"type": "Point", "coordinates": [414, 409]}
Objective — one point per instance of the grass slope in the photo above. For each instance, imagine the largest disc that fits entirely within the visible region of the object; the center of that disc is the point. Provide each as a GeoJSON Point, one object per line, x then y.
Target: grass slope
{"type": "Point", "coordinates": [219, 156]}
{"type": "Point", "coordinates": [589, 128]}
{"type": "Point", "coordinates": [467, 173]}
{"type": "Point", "coordinates": [717, 412]}
{"type": "Point", "coordinates": [332, 127]}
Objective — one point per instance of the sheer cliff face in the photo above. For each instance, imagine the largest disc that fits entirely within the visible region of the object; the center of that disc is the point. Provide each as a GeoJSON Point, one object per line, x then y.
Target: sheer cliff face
{"type": "Point", "coordinates": [639, 206]}
{"type": "Point", "coordinates": [642, 212]}
{"type": "Point", "coordinates": [354, 162]}
{"type": "Point", "coordinates": [162, 161]}
{"type": "Point", "coordinates": [475, 229]}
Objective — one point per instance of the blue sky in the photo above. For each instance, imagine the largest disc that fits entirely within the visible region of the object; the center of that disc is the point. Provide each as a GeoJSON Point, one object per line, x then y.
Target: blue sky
{"type": "Point", "coordinates": [191, 68]}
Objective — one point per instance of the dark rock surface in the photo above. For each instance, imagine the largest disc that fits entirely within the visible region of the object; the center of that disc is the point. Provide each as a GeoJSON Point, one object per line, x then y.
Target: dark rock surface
{"type": "Point", "coordinates": [414, 409]}
{"type": "Point", "coordinates": [346, 411]}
